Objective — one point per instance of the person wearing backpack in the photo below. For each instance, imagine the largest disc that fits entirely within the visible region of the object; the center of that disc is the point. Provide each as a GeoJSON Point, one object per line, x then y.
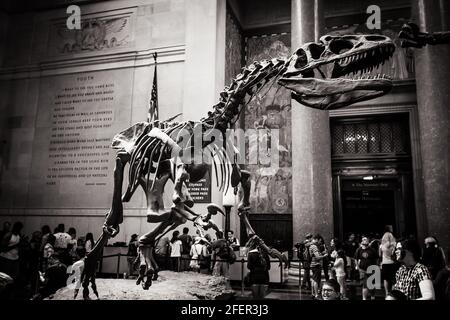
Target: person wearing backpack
{"type": "Point", "coordinates": [221, 256]}
{"type": "Point", "coordinates": [258, 263]}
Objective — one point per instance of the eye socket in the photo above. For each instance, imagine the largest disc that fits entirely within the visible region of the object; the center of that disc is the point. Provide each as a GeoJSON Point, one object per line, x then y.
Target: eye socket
{"type": "Point", "coordinates": [302, 59]}
{"type": "Point", "coordinates": [327, 38]}
{"type": "Point", "coordinates": [351, 37]}
{"type": "Point", "coordinates": [375, 38]}
{"type": "Point", "coordinates": [339, 46]}
{"type": "Point", "coordinates": [316, 50]}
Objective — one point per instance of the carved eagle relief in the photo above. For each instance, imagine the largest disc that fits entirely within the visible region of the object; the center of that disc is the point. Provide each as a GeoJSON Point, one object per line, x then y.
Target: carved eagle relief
{"type": "Point", "coordinates": [95, 34]}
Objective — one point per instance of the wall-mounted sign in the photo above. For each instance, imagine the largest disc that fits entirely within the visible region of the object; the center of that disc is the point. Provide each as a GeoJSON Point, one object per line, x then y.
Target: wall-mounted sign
{"type": "Point", "coordinates": [369, 185]}
{"type": "Point", "coordinates": [200, 191]}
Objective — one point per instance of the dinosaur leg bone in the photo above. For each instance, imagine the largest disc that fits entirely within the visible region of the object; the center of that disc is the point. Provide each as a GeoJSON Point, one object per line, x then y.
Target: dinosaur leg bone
{"type": "Point", "coordinates": [146, 266]}
{"type": "Point", "coordinates": [110, 228]}
{"type": "Point", "coordinates": [244, 220]}
{"type": "Point", "coordinates": [246, 186]}
{"type": "Point", "coordinates": [274, 253]}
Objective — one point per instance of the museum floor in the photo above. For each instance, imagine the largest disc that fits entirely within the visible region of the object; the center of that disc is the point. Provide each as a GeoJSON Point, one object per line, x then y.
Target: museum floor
{"type": "Point", "coordinates": [290, 291]}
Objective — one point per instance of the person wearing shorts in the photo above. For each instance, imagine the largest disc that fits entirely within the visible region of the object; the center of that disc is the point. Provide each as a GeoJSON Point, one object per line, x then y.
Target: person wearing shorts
{"type": "Point", "coordinates": [365, 257]}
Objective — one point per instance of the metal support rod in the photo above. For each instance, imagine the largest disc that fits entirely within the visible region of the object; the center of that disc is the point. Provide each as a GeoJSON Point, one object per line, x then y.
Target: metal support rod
{"type": "Point", "coordinates": [227, 221]}
{"type": "Point", "coordinates": [242, 277]}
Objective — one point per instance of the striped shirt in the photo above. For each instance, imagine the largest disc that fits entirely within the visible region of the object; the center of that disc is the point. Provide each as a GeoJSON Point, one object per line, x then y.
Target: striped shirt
{"type": "Point", "coordinates": [314, 252]}
{"type": "Point", "coordinates": [408, 279]}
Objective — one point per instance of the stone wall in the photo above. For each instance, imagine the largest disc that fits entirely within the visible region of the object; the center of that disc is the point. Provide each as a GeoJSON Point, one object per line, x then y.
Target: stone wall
{"type": "Point", "coordinates": [66, 93]}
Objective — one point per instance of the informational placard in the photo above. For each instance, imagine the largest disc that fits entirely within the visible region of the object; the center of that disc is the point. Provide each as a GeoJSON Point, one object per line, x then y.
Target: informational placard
{"type": "Point", "coordinates": [200, 191]}
{"type": "Point", "coordinates": [78, 115]}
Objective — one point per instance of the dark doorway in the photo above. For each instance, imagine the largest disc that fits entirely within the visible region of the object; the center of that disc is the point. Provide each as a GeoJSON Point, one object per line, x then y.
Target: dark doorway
{"type": "Point", "coordinates": [372, 175]}
{"type": "Point", "coordinates": [368, 211]}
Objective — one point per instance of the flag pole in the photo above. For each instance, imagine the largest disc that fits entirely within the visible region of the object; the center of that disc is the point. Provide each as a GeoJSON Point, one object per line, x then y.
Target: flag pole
{"type": "Point", "coordinates": [153, 112]}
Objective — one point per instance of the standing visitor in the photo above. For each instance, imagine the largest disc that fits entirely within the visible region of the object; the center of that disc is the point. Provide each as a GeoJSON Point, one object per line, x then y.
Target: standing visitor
{"type": "Point", "coordinates": [326, 260]}
{"type": "Point", "coordinates": [132, 253]}
{"type": "Point", "coordinates": [305, 257]}
{"type": "Point", "coordinates": [198, 255]}
{"type": "Point", "coordinates": [365, 257]}
{"type": "Point", "coordinates": [388, 265]}
{"type": "Point", "coordinates": [61, 245]}
{"type": "Point", "coordinates": [259, 265]}
{"type": "Point", "coordinates": [412, 279]}
{"type": "Point", "coordinates": [220, 255]}
{"type": "Point", "coordinates": [433, 256]}
{"type": "Point", "coordinates": [9, 251]}
{"type": "Point", "coordinates": [45, 230]}
{"type": "Point", "coordinates": [339, 266]}
{"type": "Point", "coordinates": [233, 241]}
{"type": "Point", "coordinates": [6, 229]}
{"type": "Point", "coordinates": [175, 251]}
{"type": "Point", "coordinates": [89, 242]}
{"type": "Point", "coordinates": [186, 241]}
{"type": "Point", "coordinates": [316, 266]}
{"type": "Point", "coordinates": [162, 253]}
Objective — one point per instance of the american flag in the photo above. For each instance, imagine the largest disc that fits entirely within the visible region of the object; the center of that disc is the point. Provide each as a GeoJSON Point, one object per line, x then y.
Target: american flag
{"type": "Point", "coordinates": [153, 107]}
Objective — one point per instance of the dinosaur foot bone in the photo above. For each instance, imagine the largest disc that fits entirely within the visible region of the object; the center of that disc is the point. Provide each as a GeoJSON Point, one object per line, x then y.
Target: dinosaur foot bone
{"type": "Point", "coordinates": [141, 276]}
{"type": "Point", "coordinates": [148, 283]}
{"type": "Point", "coordinates": [274, 253]}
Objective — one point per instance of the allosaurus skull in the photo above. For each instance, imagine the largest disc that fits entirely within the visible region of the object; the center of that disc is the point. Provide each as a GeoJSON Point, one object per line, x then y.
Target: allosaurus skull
{"type": "Point", "coordinates": [320, 74]}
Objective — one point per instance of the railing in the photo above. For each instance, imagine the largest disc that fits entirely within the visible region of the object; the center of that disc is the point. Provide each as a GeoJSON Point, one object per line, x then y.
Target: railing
{"type": "Point", "coordinates": [242, 261]}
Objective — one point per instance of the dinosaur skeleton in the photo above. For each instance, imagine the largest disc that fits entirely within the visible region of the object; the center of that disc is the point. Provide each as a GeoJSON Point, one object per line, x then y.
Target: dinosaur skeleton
{"type": "Point", "coordinates": [411, 36]}
{"type": "Point", "coordinates": [318, 76]}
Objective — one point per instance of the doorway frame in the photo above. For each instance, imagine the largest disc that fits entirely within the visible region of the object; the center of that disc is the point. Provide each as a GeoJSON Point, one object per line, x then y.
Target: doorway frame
{"type": "Point", "coordinates": [416, 160]}
{"type": "Point", "coordinates": [399, 205]}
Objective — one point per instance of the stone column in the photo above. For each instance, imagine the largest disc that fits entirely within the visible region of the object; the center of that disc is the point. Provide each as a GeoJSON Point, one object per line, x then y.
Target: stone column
{"type": "Point", "coordinates": [311, 148]}
{"type": "Point", "coordinates": [433, 104]}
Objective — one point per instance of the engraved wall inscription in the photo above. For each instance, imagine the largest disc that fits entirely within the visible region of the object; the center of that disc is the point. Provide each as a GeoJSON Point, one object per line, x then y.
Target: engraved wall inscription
{"type": "Point", "coordinates": [78, 116]}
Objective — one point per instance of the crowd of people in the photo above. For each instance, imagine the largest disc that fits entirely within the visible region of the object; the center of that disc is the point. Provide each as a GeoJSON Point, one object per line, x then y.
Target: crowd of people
{"type": "Point", "coordinates": [183, 252]}
{"type": "Point", "coordinates": [35, 267]}
{"type": "Point", "coordinates": [404, 269]}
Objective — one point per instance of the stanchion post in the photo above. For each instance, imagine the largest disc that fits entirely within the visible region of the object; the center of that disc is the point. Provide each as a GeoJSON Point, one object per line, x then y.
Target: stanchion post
{"type": "Point", "coordinates": [118, 266]}
{"type": "Point", "coordinates": [281, 272]}
{"type": "Point", "coordinates": [300, 279]}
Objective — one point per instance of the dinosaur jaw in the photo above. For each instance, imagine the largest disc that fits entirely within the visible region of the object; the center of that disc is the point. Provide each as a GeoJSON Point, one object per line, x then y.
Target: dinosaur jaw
{"type": "Point", "coordinates": [328, 94]}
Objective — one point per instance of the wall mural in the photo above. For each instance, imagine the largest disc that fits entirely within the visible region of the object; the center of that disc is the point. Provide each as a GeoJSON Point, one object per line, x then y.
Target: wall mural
{"type": "Point", "coordinates": [270, 109]}
{"type": "Point", "coordinates": [401, 66]}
